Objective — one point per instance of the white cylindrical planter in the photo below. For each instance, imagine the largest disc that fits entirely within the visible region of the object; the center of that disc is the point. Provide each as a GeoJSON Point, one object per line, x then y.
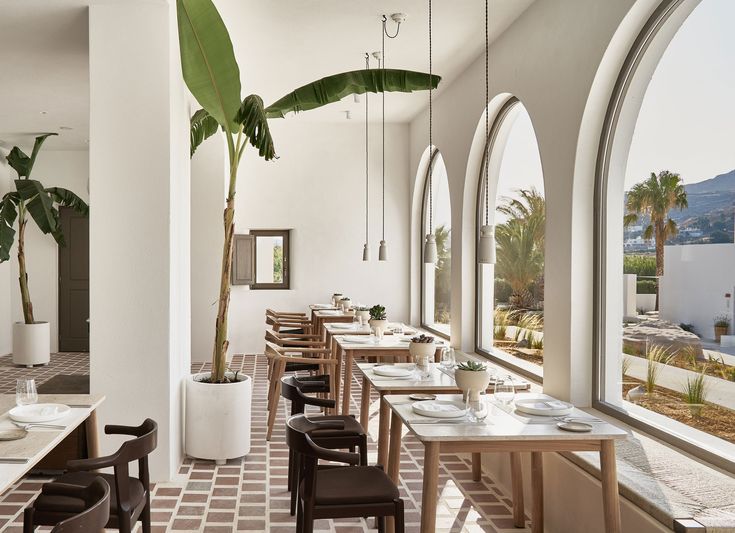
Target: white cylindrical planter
{"type": "Point", "coordinates": [472, 382]}
{"type": "Point", "coordinates": [217, 423]}
{"type": "Point", "coordinates": [378, 325]}
{"type": "Point", "coordinates": [31, 343]}
{"type": "Point", "coordinates": [421, 349]}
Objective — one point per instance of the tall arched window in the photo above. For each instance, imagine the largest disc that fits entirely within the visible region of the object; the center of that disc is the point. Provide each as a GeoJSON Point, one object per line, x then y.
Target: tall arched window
{"type": "Point", "coordinates": [664, 242]}
{"type": "Point", "coordinates": [511, 292]}
{"type": "Point", "coordinates": [436, 291]}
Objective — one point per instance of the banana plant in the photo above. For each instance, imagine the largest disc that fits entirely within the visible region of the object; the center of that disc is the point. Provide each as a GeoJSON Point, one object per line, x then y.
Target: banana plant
{"type": "Point", "coordinates": [30, 197]}
{"type": "Point", "coordinates": [212, 74]}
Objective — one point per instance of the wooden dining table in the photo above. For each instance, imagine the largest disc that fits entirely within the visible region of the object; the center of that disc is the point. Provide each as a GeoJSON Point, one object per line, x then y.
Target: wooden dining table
{"type": "Point", "coordinates": [319, 317]}
{"type": "Point", "coordinates": [440, 381]}
{"type": "Point", "coordinates": [18, 457]}
{"type": "Point", "coordinates": [504, 430]}
{"type": "Point", "coordinates": [347, 349]}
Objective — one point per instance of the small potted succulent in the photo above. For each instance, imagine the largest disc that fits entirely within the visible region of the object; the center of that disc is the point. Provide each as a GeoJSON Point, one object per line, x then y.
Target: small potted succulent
{"type": "Point", "coordinates": [722, 326]}
{"type": "Point", "coordinates": [336, 297]}
{"type": "Point", "coordinates": [421, 346]}
{"type": "Point", "coordinates": [344, 303]}
{"type": "Point", "coordinates": [378, 319]}
{"type": "Point", "coordinates": [363, 313]}
{"type": "Point", "coordinates": [472, 378]}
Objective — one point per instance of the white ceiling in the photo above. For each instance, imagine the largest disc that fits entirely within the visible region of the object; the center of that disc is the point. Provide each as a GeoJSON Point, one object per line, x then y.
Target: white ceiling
{"type": "Point", "coordinates": [280, 45]}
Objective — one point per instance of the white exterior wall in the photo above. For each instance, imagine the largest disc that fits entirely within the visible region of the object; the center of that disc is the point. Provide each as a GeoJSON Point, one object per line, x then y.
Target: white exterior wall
{"type": "Point", "coordinates": [696, 278]}
{"type": "Point", "coordinates": [317, 189]}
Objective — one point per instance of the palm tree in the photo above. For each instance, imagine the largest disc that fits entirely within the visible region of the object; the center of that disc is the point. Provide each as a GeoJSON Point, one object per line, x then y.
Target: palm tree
{"type": "Point", "coordinates": [520, 243]}
{"type": "Point", "coordinates": [655, 197]}
{"type": "Point", "coordinates": [442, 275]}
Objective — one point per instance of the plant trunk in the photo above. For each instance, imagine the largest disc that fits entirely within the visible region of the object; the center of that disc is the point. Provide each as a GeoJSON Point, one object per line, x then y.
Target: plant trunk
{"type": "Point", "coordinates": [660, 238]}
{"type": "Point", "coordinates": [219, 355]}
{"type": "Point", "coordinates": [25, 296]}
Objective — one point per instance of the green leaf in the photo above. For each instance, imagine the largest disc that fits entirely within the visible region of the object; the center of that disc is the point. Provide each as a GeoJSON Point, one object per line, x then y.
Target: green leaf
{"type": "Point", "coordinates": [39, 204]}
{"type": "Point", "coordinates": [208, 61]}
{"type": "Point", "coordinates": [23, 164]}
{"type": "Point", "coordinates": [201, 127]}
{"type": "Point", "coordinates": [334, 88]}
{"type": "Point", "coordinates": [8, 214]}
{"type": "Point", "coordinates": [68, 199]}
{"type": "Point", "coordinates": [255, 126]}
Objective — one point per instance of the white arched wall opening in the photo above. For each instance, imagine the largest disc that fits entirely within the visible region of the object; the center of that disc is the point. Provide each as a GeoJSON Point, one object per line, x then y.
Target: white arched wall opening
{"type": "Point", "coordinates": [416, 229]}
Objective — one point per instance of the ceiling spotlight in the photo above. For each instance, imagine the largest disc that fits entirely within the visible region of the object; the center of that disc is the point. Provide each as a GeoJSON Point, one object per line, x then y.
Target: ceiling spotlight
{"type": "Point", "coordinates": [398, 18]}
{"type": "Point", "coordinates": [379, 56]}
{"type": "Point", "coordinates": [66, 128]}
{"type": "Point", "coordinates": [44, 112]}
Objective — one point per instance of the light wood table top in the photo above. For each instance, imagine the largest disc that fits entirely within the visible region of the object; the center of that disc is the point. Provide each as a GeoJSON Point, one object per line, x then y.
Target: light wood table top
{"type": "Point", "coordinates": [27, 452]}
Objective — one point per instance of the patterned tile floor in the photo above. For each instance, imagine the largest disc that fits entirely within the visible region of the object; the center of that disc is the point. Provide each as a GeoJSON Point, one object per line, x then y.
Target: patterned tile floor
{"type": "Point", "coordinates": [61, 363]}
{"type": "Point", "coordinates": [250, 494]}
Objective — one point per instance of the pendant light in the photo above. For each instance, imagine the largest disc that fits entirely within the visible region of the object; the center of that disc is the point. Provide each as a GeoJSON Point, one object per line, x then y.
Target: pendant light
{"type": "Point", "coordinates": [366, 248]}
{"type": "Point", "coordinates": [486, 246]}
{"type": "Point", "coordinates": [430, 252]}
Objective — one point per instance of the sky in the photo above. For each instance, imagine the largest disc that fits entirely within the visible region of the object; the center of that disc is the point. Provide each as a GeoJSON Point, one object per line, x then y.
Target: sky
{"type": "Point", "coordinates": [687, 119]}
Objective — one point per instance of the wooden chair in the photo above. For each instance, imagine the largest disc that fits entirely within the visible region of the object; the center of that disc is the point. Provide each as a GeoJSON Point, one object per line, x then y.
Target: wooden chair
{"type": "Point", "coordinates": [351, 436]}
{"type": "Point", "coordinates": [290, 322]}
{"type": "Point", "coordinates": [340, 492]}
{"type": "Point", "coordinates": [278, 360]}
{"type": "Point", "coordinates": [130, 497]}
{"type": "Point", "coordinates": [285, 341]}
{"type": "Point", "coordinates": [92, 500]}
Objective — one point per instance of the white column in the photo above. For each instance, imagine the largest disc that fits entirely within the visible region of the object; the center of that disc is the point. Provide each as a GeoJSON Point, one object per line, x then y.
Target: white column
{"type": "Point", "coordinates": [630, 291]}
{"type": "Point", "coordinates": [139, 222]}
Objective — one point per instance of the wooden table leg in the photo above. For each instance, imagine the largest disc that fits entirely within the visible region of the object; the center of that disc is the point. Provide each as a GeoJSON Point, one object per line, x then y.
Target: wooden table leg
{"type": "Point", "coordinates": [383, 431]}
{"type": "Point", "coordinates": [365, 403]}
{"type": "Point", "coordinates": [610, 497]}
{"type": "Point", "coordinates": [337, 370]}
{"type": "Point", "coordinates": [430, 486]}
{"type": "Point", "coordinates": [516, 477]}
{"type": "Point", "coordinates": [537, 490]}
{"type": "Point", "coordinates": [394, 453]}
{"type": "Point", "coordinates": [93, 440]}
{"type": "Point", "coordinates": [347, 385]}
{"type": "Point", "coordinates": [476, 466]}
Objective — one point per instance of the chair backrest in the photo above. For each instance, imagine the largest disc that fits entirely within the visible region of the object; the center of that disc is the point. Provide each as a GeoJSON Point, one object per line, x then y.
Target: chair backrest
{"type": "Point", "coordinates": [96, 497]}
{"type": "Point", "coordinates": [136, 449]}
{"type": "Point", "coordinates": [293, 389]}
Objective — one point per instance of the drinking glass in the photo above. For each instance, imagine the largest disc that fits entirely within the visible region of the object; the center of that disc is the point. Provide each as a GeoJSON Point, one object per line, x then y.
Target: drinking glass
{"type": "Point", "coordinates": [477, 409]}
{"type": "Point", "coordinates": [505, 391]}
{"type": "Point", "coordinates": [379, 333]}
{"type": "Point", "coordinates": [25, 392]}
{"type": "Point", "coordinates": [423, 367]}
{"type": "Point", "coordinates": [448, 359]}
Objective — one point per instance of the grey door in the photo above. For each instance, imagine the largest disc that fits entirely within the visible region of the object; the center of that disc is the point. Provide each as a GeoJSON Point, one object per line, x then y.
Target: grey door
{"type": "Point", "coordinates": [74, 283]}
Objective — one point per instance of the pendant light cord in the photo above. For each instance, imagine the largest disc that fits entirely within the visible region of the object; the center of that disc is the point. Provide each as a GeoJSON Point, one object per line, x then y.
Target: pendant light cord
{"type": "Point", "coordinates": [487, 112]}
{"type": "Point", "coordinates": [367, 154]}
{"type": "Point", "coordinates": [384, 33]}
{"type": "Point", "coordinates": [431, 137]}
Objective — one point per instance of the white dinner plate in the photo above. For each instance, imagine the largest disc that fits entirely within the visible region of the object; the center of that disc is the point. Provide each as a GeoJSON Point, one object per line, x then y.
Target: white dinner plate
{"type": "Point", "coordinates": [323, 306]}
{"type": "Point", "coordinates": [440, 409]}
{"type": "Point", "coordinates": [391, 371]}
{"type": "Point", "coordinates": [358, 339]}
{"type": "Point", "coordinates": [543, 406]}
{"type": "Point", "coordinates": [39, 412]}
{"type": "Point", "coordinates": [341, 325]}
{"type": "Point", "coordinates": [331, 312]}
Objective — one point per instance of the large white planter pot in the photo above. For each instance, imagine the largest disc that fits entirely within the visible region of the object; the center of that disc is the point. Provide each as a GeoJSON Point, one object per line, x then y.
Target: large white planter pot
{"type": "Point", "coordinates": [31, 343]}
{"type": "Point", "coordinates": [421, 349]}
{"type": "Point", "coordinates": [217, 423]}
{"type": "Point", "coordinates": [471, 381]}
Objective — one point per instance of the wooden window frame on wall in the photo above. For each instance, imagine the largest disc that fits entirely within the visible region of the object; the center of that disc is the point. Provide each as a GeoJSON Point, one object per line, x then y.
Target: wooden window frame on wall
{"type": "Point", "coordinates": [285, 234]}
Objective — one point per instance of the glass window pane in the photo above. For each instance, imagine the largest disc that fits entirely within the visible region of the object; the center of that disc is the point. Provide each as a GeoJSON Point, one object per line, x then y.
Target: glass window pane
{"type": "Point", "coordinates": [269, 268]}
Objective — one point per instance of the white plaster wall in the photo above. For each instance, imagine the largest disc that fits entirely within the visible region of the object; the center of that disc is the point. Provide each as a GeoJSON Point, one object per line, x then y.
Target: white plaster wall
{"type": "Point", "coordinates": [316, 188]}
{"type": "Point", "coordinates": [696, 278]}
{"type": "Point", "coordinates": [5, 287]}
{"type": "Point", "coordinates": [68, 169]}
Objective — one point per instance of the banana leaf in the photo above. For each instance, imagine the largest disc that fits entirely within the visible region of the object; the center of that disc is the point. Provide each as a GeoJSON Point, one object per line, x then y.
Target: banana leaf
{"type": "Point", "coordinates": [333, 88]}
{"type": "Point", "coordinates": [208, 61]}
{"type": "Point", "coordinates": [201, 127]}
{"type": "Point", "coordinates": [8, 214]}
{"type": "Point", "coordinates": [20, 162]}
{"type": "Point", "coordinates": [68, 199]}
{"type": "Point", "coordinates": [39, 204]}
{"type": "Point", "coordinates": [255, 126]}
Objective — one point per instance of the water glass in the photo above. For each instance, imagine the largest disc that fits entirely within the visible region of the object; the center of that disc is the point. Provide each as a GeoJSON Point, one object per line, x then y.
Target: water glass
{"type": "Point", "coordinates": [25, 392]}
{"type": "Point", "coordinates": [423, 367]}
{"type": "Point", "coordinates": [379, 333]}
{"type": "Point", "coordinates": [505, 391]}
{"type": "Point", "coordinates": [477, 409]}
{"type": "Point", "coordinates": [448, 359]}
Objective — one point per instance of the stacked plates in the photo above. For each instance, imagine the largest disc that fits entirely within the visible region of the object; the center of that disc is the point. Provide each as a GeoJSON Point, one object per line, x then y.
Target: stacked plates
{"type": "Point", "coordinates": [342, 325]}
{"type": "Point", "coordinates": [440, 409]}
{"type": "Point", "coordinates": [39, 412]}
{"type": "Point", "coordinates": [358, 339]}
{"type": "Point", "coordinates": [543, 406]}
{"type": "Point", "coordinates": [391, 371]}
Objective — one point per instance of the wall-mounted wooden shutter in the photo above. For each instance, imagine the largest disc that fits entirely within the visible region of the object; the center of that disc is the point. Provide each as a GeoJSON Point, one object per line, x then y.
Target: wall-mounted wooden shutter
{"type": "Point", "coordinates": [243, 260]}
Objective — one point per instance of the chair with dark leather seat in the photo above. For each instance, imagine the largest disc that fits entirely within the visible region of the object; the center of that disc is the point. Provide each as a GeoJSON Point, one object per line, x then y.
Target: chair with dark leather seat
{"type": "Point", "coordinates": [92, 500]}
{"type": "Point", "coordinates": [130, 498]}
{"type": "Point", "coordinates": [351, 436]}
{"type": "Point", "coordinates": [339, 492]}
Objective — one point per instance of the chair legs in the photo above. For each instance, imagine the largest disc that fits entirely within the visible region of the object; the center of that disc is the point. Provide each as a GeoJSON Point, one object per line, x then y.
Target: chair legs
{"type": "Point", "coordinates": [28, 520]}
{"type": "Point", "coordinates": [145, 515]}
{"type": "Point", "coordinates": [278, 370]}
{"type": "Point", "coordinates": [399, 520]}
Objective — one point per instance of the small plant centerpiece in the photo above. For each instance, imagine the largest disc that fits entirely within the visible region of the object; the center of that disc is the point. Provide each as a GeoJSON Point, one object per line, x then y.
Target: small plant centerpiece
{"type": "Point", "coordinates": [472, 378]}
{"type": "Point", "coordinates": [722, 326]}
{"type": "Point", "coordinates": [345, 303]}
{"type": "Point", "coordinates": [421, 346]}
{"type": "Point", "coordinates": [378, 319]}
{"type": "Point", "coordinates": [31, 200]}
{"type": "Point", "coordinates": [336, 297]}
{"type": "Point", "coordinates": [363, 313]}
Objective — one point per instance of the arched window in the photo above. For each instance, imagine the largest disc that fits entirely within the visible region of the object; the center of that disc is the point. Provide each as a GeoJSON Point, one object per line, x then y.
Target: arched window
{"type": "Point", "coordinates": [436, 290]}
{"type": "Point", "coordinates": [510, 295]}
{"type": "Point", "coordinates": [664, 242]}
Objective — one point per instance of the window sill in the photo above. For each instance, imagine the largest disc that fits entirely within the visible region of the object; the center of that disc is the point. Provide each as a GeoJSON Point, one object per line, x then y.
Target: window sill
{"type": "Point", "coordinates": [681, 492]}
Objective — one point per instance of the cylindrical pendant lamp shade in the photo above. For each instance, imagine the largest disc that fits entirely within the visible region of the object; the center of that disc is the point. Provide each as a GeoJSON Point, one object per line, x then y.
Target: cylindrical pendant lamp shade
{"type": "Point", "coordinates": [486, 247]}
{"type": "Point", "coordinates": [383, 251]}
{"type": "Point", "coordinates": [366, 253]}
{"type": "Point", "coordinates": [430, 253]}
